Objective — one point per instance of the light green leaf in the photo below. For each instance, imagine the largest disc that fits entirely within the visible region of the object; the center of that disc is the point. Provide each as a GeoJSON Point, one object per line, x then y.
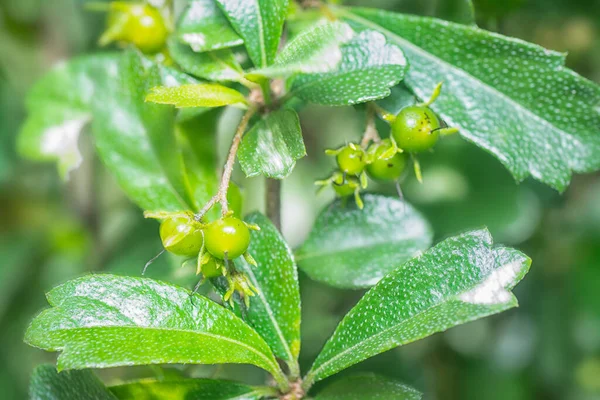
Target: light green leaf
{"type": "Point", "coordinates": [185, 389]}
{"type": "Point", "coordinates": [100, 321]}
{"type": "Point", "coordinates": [203, 27]}
{"type": "Point", "coordinates": [368, 387]}
{"type": "Point", "coordinates": [218, 65]}
{"type": "Point", "coordinates": [275, 311]}
{"type": "Point", "coordinates": [48, 384]}
{"type": "Point", "coordinates": [461, 279]}
{"type": "Point", "coordinates": [316, 50]}
{"type": "Point", "coordinates": [272, 145]}
{"type": "Point", "coordinates": [353, 248]}
{"type": "Point", "coordinates": [514, 99]}
{"type": "Point", "coordinates": [259, 23]}
{"type": "Point", "coordinates": [198, 95]}
{"type": "Point", "coordinates": [369, 67]}
{"type": "Point", "coordinates": [135, 139]}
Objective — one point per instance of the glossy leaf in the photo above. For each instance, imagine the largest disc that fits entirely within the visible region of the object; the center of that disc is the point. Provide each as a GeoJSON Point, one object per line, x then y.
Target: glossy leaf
{"type": "Point", "coordinates": [259, 23]}
{"type": "Point", "coordinates": [135, 139]}
{"type": "Point", "coordinates": [353, 248]}
{"type": "Point", "coordinates": [275, 311]}
{"type": "Point", "coordinates": [203, 27]}
{"type": "Point", "coordinates": [218, 65]}
{"type": "Point", "coordinates": [48, 384]}
{"type": "Point", "coordinates": [363, 387]}
{"type": "Point", "coordinates": [313, 51]}
{"type": "Point", "coordinates": [198, 95]}
{"type": "Point", "coordinates": [461, 279]}
{"type": "Point", "coordinates": [184, 389]}
{"type": "Point", "coordinates": [100, 321]}
{"type": "Point", "coordinates": [514, 99]}
{"type": "Point", "coordinates": [272, 146]}
{"type": "Point", "coordinates": [369, 67]}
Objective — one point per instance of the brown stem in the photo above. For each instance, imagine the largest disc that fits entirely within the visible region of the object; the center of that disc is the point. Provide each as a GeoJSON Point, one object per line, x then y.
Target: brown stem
{"type": "Point", "coordinates": [371, 133]}
{"type": "Point", "coordinates": [273, 200]}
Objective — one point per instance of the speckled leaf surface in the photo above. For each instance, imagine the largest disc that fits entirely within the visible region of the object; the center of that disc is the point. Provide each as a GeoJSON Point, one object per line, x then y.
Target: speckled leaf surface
{"type": "Point", "coordinates": [371, 387]}
{"type": "Point", "coordinates": [195, 95]}
{"type": "Point", "coordinates": [203, 27]}
{"type": "Point", "coordinates": [272, 146]}
{"type": "Point", "coordinates": [185, 389]}
{"type": "Point", "coordinates": [218, 65]}
{"type": "Point", "coordinates": [514, 99]}
{"type": "Point", "coordinates": [101, 321]}
{"type": "Point", "coordinates": [259, 23]}
{"type": "Point", "coordinates": [461, 279]}
{"type": "Point", "coordinates": [353, 248]}
{"type": "Point", "coordinates": [368, 68]}
{"type": "Point", "coordinates": [275, 311]}
{"type": "Point", "coordinates": [48, 384]}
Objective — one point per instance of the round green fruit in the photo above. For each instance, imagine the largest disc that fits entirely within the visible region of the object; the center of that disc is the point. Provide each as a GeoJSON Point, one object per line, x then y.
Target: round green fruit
{"type": "Point", "coordinates": [139, 24]}
{"type": "Point", "coordinates": [227, 236]}
{"type": "Point", "coordinates": [180, 236]}
{"type": "Point", "coordinates": [211, 269]}
{"type": "Point", "coordinates": [347, 187]}
{"type": "Point", "coordinates": [415, 129]}
{"type": "Point", "coordinates": [352, 160]}
{"type": "Point", "coordinates": [385, 169]}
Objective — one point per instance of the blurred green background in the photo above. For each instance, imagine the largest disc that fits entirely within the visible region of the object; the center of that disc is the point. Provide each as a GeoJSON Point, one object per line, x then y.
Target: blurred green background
{"type": "Point", "coordinates": [549, 348]}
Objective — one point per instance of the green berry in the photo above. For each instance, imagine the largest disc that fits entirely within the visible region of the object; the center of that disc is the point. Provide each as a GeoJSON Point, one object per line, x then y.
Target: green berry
{"type": "Point", "coordinates": [211, 269]}
{"type": "Point", "coordinates": [385, 169]}
{"type": "Point", "coordinates": [352, 159]}
{"type": "Point", "coordinates": [229, 236]}
{"type": "Point", "coordinates": [346, 187]}
{"type": "Point", "coordinates": [139, 24]}
{"type": "Point", "coordinates": [415, 129]}
{"type": "Point", "coordinates": [179, 235]}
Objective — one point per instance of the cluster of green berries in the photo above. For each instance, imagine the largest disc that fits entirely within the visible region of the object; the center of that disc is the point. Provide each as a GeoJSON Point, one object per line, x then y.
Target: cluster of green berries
{"type": "Point", "coordinates": [414, 129]}
{"type": "Point", "coordinates": [214, 245]}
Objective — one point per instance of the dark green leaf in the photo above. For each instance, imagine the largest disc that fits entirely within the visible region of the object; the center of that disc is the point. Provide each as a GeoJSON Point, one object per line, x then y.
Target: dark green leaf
{"type": "Point", "coordinates": [195, 95]}
{"type": "Point", "coordinates": [259, 23]}
{"type": "Point", "coordinates": [48, 384]}
{"type": "Point", "coordinates": [461, 279]}
{"type": "Point", "coordinates": [275, 311]}
{"type": "Point", "coordinates": [272, 145]}
{"type": "Point", "coordinates": [514, 99]}
{"type": "Point", "coordinates": [105, 320]}
{"type": "Point", "coordinates": [368, 387]}
{"type": "Point", "coordinates": [186, 389]}
{"type": "Point", "coordinates": [353, 248]}
{"type": "Point", "coordinates": [204, 27]}
{"type": "Point", "coordinates": [461, 11]}
{"type": "Point", "coordinates": [368, 68]}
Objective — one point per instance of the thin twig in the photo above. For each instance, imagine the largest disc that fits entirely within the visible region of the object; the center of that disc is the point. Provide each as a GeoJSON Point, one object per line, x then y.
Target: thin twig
{"type": "Point", "coordinates": [371, 134]}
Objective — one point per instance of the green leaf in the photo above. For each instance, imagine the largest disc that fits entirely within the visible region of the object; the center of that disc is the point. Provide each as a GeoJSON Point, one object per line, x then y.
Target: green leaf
{"type": "Point", "coordinates": [48, 384]}
{"type": "Point", "coordinates": [197, 95]}
{"type": "Point", "coordinates": [514, 99]}
{"type": "Point", "coordinates": [369, 67]}
{"type": "Point", "coordinates": [203, 27]}
{"type": "Point", "coordinates": [101, 321]}
{"type": "Point", "coordinates": [363, 387]}
{"type": "Point", "coordinates": [316, 50]}
{"type": "Point", "coordinates": [461, 11]}
{"type": "Point", "coordinates": [275, 311]}
{"type": "Point", "coordinates": [259, 23]}
{"type": "Point", "coordinates": [272, 146]}
{"type": "Point", "coordinates": [135, 139]}
{"type": "Point", "coordinates": [218, 65]}
{"type": "Point", "coordinates": [461, 279]}
{"type": "Point", "coordinates": [353, 248]}
{"type": "Point", "coordinates": [59, 107]}
{"type": "Point", "coordinates": [184, 389]}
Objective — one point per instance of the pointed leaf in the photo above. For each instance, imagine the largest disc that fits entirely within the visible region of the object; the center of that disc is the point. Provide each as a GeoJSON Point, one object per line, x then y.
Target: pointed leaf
{"type": "Point", "coordinates": [272, 145]}
{"type": "Point", "coordinates": [363, 387]}
{"type": "Point", "coordinates": [197, 389]}
{"type": "Point", "coordinates": [353, 248]}
{"type": "Point", "coordinates": [198, 95]}
{"type": "Point", "coordinates": [48, 384]}
{"type": "Point", "coordinates": [514, 99]}
{"type": "Point", "coordinates": [259, 23]}
{"type": "Point", "coordinates": [275, 311]}
{"type": "Point", "coordinates": [459, 280]}
{"type": "Point", "coordinates": [369, 67]}
{"type": "Point", "coordinates": [103, 321]}
{"type": "Point", "coordinates": [204, 27]}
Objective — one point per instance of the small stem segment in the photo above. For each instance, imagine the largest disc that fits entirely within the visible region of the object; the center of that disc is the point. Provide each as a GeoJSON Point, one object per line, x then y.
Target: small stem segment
{"type": "Point", "coordinates": [371, 134]}
{"type": "Point", "coordinates": [221, 196]}
{"type": "Point", "coordinates": [273, 202]}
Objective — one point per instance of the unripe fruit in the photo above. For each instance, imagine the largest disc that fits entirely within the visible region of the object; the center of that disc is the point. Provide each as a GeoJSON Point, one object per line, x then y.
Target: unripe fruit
{"type": "Point", "coordinates": [347, 187]}
{"type": "Point", "coordinates": [211, 269]}
{"type": "Point", "coordinates": [227, 235]}
{"type": "Point", "coordinates": [352, 160]}
{"type": "Point", "coordinates": [139, 24]}
{"type": "Point", "coordinates": [415, 129]}
{"type": "Point", "coordinates": [180, 236]}
{"type": "Point", "coordinates": [385, 169]}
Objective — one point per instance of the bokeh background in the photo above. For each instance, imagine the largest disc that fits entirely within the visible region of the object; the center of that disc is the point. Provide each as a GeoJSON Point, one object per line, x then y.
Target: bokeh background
{"type": "Point", "coordinates": [549, 348]}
